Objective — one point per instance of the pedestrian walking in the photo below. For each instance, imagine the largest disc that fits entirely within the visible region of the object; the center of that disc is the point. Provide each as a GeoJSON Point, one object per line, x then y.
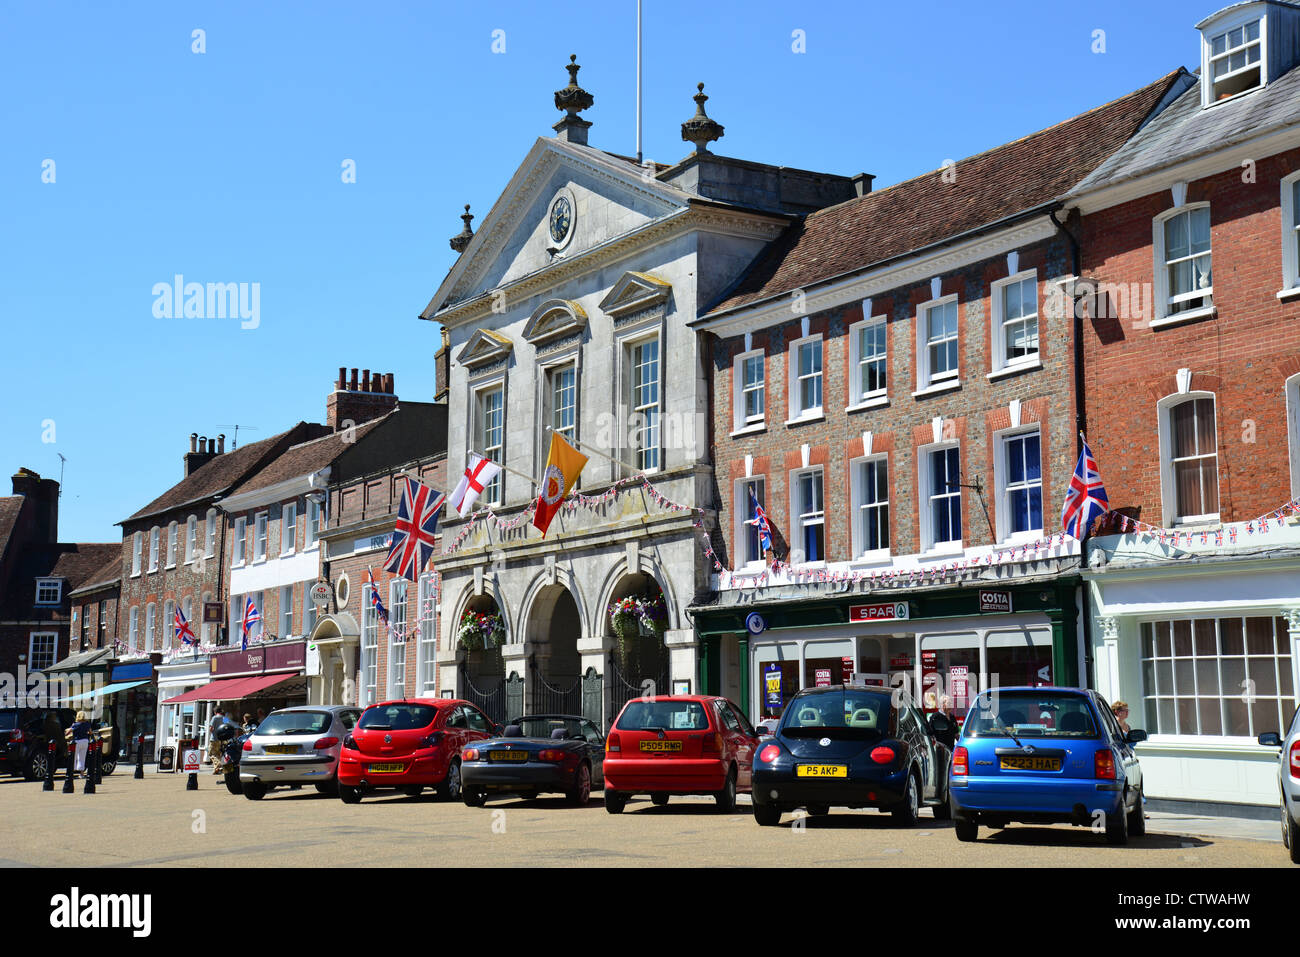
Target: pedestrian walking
{"type": "Point", "coordinates": [214, 746]}
{"type": "Point", "coordinates": [79, 732]}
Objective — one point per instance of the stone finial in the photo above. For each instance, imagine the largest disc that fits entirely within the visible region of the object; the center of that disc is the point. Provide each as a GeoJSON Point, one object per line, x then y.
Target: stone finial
{"type": "Point", "coordinates": [573, 99]}
{"type": "Point", "coordinates": [699, 129]}
{"type": "Point", "coordinates": [459, 243]}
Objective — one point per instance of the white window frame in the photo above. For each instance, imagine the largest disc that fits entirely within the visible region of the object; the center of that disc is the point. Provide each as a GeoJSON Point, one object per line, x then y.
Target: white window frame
{"type": "Point", "coordinates": [153, 548]}
{"type": "Point", "coordinates": [311, 529]}
{"type": "Point", "coordinates": [858, 489]}
{"type": "Point", "coordinates": [1220, 29]}
{"type": "Point", "coordinates": [1164, 317]}
{"type": "Point", "coordinates": [134, 626]}
{"type": "Point", "coordinates": [369, 664]}
{"type": "Point", "coordinates": [56, 584]}
{"type": "Point", "coordinates": [551, 374]}
{"type": "Point", "coordinates": [151, 627]}
{"type": "Point", "coordinates": [53, 636]}
{"type": "Point", "coordinates": [241, 541]}
{"type": "Point", "coordinates": [924, 500]}
{"type": "Point", "coordinates": [261, 535]}
{"type": "Point", "coordinates": [494, 493]}
{"type": "Point", "coordinates": [797, 411]}
{"type": "Point", "coordinates": [286, 611]}
{"type": "Point", "coordinates": [1168, 484]}
{"type": "Point", "coordinates": [802, 517]}
{"type": "Point", "coordinates": [288, 528]}
{"type": "Point", "coordinates": [647, 439]}
{"type": "Point", "coordinates": [1002, 485]}
{"type": "Point", "coordinates": [210, 533]}
{"type": "Point", "coordinates": [173, 533]}
{"type": "Point", "coordinates": [740, 421]}
{"type": "Point", "coordinates": [859, 398]}
{"type": "Point", "coordinates": [1292, 390]}
{"type": "Point", "coordinates": [744, 520]}
{"type": "Point", "coordinates": [168, 622]}
{"type": "Point", "coordinates": [187, 609]}
{"type": "Point", "coordinates": [998, 338]}
{"type": "Point", "coordinates": [396, 671]}
{"type": "Point", "coordinates": [137, 553]}
{"type": "Point", "coordinates": [426, 615]}
{"type": "Point", "coordinates": [191, 538]}
{"type": "Point", "coordinates": [1290, 237]}
{"type": "Point", "coordinates": [928, 381]}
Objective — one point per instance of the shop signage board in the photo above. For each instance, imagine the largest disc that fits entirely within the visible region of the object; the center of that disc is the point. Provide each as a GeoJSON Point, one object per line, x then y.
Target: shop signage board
{"type": "Point", "coordinates": [373, 542]}
{"type": "Point", "coordinates": [995, 601]}
{"type": "Point", "coordinates": [320, 593]}
{"type": "Point", "coordinates": [900, 663]}
{"type": "Point", "coordinates": [273, 656]}
{"type": "Point", "coordinates": [772, 687]}
{"type": "Point", "coordinates": [214, 612]}
{"type": "Point", "coordinates": [823, 678]}
{"type": "Point", "coordinates": [191, 760]}
{"type": "Point", "coordinates": [879, 611]}
{"type": "Point", "coordinates": [846, 666]}
{"type": "Point", "coordinates": [958, 682]}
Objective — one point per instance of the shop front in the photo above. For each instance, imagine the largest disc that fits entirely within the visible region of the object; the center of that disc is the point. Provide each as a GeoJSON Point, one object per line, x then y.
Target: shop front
{"type": "Point", "coordinates": [132, 704]}
{"type": "Point", "coordinates": [942, 645]}
{"type": "Point", "coordinates": [181, 720]}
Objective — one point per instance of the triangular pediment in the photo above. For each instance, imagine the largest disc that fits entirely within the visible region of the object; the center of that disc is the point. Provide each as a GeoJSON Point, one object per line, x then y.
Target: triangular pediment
{"type": "Point", "coordinates": [484, 347]}
{"type": "Point", "coordinates": [635, 291]}
{"type": "Point", "coordinates": [555, 319]}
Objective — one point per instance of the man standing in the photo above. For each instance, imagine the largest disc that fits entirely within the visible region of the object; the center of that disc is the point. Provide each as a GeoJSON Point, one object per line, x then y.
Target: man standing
{"type": "Point", "coordinates": [214, 746]}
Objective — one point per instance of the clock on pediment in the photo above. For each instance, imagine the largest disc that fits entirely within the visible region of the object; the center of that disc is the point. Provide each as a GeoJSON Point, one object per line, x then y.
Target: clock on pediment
{"type": "Point", "coordinates": [560, 218]}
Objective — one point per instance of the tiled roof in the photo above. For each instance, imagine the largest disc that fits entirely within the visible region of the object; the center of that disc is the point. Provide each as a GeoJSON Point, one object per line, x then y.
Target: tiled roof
{"type": "Point", "coordinates": [74, 562]}
{"type": "Point", "coordinates": [110, 573]}
{"type": "Point", "coordinates": [988, 187]}
{"type": "Point", "coordinates": [307, 457]}
{"type": "Point", "coordinates": [10, 506]}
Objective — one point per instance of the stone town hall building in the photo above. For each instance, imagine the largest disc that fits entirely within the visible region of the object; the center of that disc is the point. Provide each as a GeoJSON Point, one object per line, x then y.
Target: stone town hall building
{"type": "Point", "coordinates": [568, 309]}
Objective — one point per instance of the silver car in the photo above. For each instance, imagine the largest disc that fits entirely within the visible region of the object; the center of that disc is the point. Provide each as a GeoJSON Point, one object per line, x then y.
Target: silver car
{"type": "Point", "coordinates": [296, 746]}
{"type": "Point", "coordinates": [1288, 775]}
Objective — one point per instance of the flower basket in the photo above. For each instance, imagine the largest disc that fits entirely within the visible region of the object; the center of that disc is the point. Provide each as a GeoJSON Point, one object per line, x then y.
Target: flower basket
{"type": "Point", "coordinates": [635, 617]}
{"type": "Point", "coordinates": [481, 630]}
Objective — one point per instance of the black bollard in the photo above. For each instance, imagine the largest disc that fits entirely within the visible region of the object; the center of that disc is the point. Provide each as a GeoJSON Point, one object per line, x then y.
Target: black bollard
{"type": "Point", "coordinates": [69, 786]}
{"type": "Point", "coordinates": [99, 761]}
{"type": "Point", "coordinates": [90, 767]}
{"type": "Point", "coordinates": [193, 783]}
{"type": "Point", "coordinates": [49, 768]}
{"type": "Point", "coordinates": [139, 759]}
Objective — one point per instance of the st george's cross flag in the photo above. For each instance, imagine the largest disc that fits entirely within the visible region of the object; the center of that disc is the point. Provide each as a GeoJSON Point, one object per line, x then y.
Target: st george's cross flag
{"type": "Point", "coordinates": [760, 522]}
{"type": "Point", "coordinates": [563, 465]}
{"type": "Point", "coordinates": [1085, 500]}
{"type": "Point", "coordinates": [183, 630]}
{"type": "Point", "coordinates": [417, 524]}
{"type": "Point", "coordinates": [251, 617]}
{"type": "Point", "coordinates": [479, 474]}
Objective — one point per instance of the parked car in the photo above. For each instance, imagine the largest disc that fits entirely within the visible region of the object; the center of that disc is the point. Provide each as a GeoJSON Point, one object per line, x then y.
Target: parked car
{"type": "Point", "coordinates": [852, 747]}
{"type": "Point", "coordinates": [410, 745]}
{"type": "Point", "coordinates": [535, 754]}
{"type": "Point", "coordinates": [1288, 777]}
{"type": "Point", "coordinates": [1044, 756]}
{"type": "Point", "coordinates": [295, 746]}
{"type": "Point", "coordinates": [23, 745]}
{"type": "Point", "coordinates": [678, 744]}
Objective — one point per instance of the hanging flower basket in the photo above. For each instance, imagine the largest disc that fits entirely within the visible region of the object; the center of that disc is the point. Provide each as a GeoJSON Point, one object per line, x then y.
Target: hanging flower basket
{"type": "Point", "coordinates": [637, 616]}
{"type": "Point", "coordinates": [481, 630]}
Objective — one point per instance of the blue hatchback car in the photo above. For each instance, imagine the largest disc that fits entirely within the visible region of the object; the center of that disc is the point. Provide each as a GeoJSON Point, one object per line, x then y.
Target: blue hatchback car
{"type": "Point", "coordinates": [1046, 756]}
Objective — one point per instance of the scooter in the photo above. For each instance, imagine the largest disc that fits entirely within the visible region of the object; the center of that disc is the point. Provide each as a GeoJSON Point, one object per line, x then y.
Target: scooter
{"type": "Point", "coordinates": [232, 740]}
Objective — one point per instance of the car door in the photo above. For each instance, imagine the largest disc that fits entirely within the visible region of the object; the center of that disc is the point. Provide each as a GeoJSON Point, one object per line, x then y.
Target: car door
{"type": "Point", "coordinates": [913, 733]}
{"type": "Point", "coordinates": [478, 727]}
{"type": "Point", "coordinates": [595, 750]}
{"type": "Point", "coordinates": [741, 741]}
{"type": "Point", "coordinates": [455, 729]}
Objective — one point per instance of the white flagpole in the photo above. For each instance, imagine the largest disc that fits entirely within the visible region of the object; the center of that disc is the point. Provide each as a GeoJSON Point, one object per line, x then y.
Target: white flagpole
{"type": "Point", "coordinates": [638, 82]}
{"type": "Point", "coordinates": [506, 468]}
{"type": "Point", "coordinates": [589, 449]}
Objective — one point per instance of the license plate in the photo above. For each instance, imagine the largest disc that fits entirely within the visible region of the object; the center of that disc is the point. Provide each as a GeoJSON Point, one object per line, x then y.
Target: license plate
{"type": "Point", "coordinates": [282, 749]}
{"type": "Point", "coordinates": [1016, 763]}
{"type": "Point", "coordinates": [507, 755]}
{"type": "Point", "coordinates": [821, 771]}
{"type": "Point", "coordinates": [386, 768]}
{"type": "Point", "coordinates": [660, 746]}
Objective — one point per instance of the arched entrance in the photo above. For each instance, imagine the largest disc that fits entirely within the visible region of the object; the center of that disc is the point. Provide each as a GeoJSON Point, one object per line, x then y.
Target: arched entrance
{"type": "Point", "coordinates": [639, 660]}
{"type": "Point", "coordinates": [554, 626]}
{"type": "Point", "coordinates": [483, 671]}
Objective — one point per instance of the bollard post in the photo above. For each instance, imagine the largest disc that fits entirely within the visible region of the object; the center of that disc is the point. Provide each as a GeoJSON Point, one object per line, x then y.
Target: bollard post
{"type": "Point", "coordinates": [49, 768]}
{"type": "Point", "coordinates": [69, 786]}
{"type": "Point", "coordinates": [99, 761]}
{"type": "Point", "coordinates": [139, 759]}
{"type": "Point", "coordinates": [90, 766]}
{"type": "Point", "coordinates": [193, 783]}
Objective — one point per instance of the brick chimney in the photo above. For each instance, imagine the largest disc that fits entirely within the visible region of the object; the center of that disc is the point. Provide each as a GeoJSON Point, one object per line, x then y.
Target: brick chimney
{"type": "Point", "coordinates": [442, 369]}
{"type": "Point", "coordinates": [44, 496]}
{"type": "Point", "coordinates": [359, 402]}
{"type": "Point", "coordinates": [201, 452]}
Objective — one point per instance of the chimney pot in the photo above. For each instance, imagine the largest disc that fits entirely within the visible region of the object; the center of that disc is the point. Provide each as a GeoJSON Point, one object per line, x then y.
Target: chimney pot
{"type": "Point", "coordinates": [353, 386]}
{"type": "Point", "coordinates": [365, 380]}
{"type": "Point", "coordinates": [203, 444]}
{"type": "Point", "coordinates": [221, 444]}
{"type": "Point", "coordinates": [390, 383]}
{"type": "Point", "coordinates": [343, 378]}
{"type": "Point", "coordinates": [194, 441]}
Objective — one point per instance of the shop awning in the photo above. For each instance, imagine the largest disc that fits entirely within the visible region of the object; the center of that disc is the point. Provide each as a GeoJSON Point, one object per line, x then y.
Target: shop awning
{"type": "Point", "coordinates": [96, 659]}
{"type": "Point", "coordinates": [106, 690]}
{"type": "Point", "coordinates": [230, 689]}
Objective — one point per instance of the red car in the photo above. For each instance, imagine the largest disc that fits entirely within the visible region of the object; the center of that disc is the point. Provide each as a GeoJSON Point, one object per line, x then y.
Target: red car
{"type": "Point", "coordinates": [678, 744]}
{"type": "Point", "coordinates": [410, 745]}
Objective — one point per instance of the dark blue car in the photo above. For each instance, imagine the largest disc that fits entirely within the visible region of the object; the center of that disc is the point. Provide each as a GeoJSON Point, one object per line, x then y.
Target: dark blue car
{"type": "Point", "coordinates": [1046, 756]}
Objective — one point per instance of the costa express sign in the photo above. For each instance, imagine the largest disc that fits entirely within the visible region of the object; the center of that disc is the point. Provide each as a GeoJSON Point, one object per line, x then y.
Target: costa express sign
{"type": "Point", "coordinates": [277, 656]}
{"type": "Point", "coordinates": [880, 611]}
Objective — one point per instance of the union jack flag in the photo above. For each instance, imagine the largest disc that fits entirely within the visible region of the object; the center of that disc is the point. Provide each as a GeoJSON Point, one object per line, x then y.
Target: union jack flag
{"type": "Point", "coordinates": [183, 630]}
{"type": "Point", "coordinates": [1085, 501]}
{"type": "Point", "coordinates": [417, 523]}
{"type": "Point", "coordinates": [251, 617]}
{"type": "Point", "coordinates": [375, 602]}
{"type": "Point", "coordinates": [760, 522]}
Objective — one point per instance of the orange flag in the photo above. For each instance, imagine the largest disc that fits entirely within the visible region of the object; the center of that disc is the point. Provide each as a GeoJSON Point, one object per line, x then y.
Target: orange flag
{"type": "Point", "coordinates": [563, 466]}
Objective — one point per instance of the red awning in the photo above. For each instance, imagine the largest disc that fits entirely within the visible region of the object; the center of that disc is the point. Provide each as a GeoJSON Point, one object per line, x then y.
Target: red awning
{"type": "Point", "coordinates": [230, 689]}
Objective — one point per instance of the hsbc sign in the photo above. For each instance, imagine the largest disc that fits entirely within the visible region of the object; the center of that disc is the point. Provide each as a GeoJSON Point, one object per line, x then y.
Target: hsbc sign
{"type": "Point", "coordinates": [881, 611]}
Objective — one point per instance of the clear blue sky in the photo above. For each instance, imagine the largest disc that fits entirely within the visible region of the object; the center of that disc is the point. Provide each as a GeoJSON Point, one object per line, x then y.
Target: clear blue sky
{"type": "Point", "coordinates": [226, 166]}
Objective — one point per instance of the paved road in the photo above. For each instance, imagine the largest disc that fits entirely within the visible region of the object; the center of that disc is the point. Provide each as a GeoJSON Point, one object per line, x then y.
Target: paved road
{"type": "Point", "coordinates": [156, 822]}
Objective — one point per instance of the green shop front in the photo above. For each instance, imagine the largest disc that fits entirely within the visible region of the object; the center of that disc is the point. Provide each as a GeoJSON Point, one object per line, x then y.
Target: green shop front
{"type": "Point", "coordinates": [943, 644]}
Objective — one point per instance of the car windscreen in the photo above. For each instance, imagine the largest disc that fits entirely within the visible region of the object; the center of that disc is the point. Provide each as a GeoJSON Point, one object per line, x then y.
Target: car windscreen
{"type": "Point", "coordinates": [1030, 714]}
{"type": "Point", "coordinates": [546, 727]}
{"type": "Point", "coordinates": [397, 717]}
{"type": "Point", "coordinates": [837, 714]}
{"type": "Point", "coordinates": [8, 720]}
{"type": "Point", "coordinates": [295, 722]}
{"type": "Point", "coordinates": [663, 715]}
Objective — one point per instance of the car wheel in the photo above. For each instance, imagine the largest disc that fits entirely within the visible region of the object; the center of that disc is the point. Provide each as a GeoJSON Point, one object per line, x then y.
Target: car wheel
{"type": "Point", "coordinates": [908, 810]}
{"type": "Point", "coordinates": [450, 789]}
{"type": "Point", "coordinates": [36, 766]}
{"type": "Point", "coordinates": [767, 815]}
{"type": "Point", "coordinates": [254, 790]}
{"type": "Point", "coordinates": [943, 810]}
{"type": "Point", "coordinates": [1117, 827]}
{"type": "Point", "coordinates": [330, 787]}
{"type": "Point", "coordinates": [818, 810]}
{"type": "Point", "coordinates": [659, 798]}
{"type": "Point", "coordinates": [233, 784]}
{"type": "Point", "coordinates": [967, 830]}
{"type": "Point", "coordinates": [1292, 835]}
{"type": "Point", "coordinates": [349, 794]}
{"type": "Point", "coordinates": [615, 801]}
{"type": "Point", "coordinates": [726, 798]}
{"type": "Point", "coordinates": [581, 790]}
{"type": "Point", "coordinates": [1137, 819]}
{"type": "Point", "coordinates": [473, 798]}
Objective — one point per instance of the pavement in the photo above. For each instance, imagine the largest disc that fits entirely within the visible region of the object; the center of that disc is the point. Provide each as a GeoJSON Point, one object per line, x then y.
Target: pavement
{"type": "Point", "coordinates": [156, 822]}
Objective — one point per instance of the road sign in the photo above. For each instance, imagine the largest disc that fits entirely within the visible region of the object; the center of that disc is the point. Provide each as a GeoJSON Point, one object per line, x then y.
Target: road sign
{"type": "Point", "coordinates": [191, 760]}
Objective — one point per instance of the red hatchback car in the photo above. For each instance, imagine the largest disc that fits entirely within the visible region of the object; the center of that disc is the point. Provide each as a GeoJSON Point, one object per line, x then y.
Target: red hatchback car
{"type": "Point", "coordinates": [678, 744]}
{"type": "Point", "coordinates": [410, 745]}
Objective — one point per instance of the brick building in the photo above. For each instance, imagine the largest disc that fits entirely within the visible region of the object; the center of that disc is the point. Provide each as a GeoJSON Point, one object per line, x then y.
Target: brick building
{"type": "Point", "coordinates": [1191, 266]}
{"type": "Point", "coordinates": [893, 382]}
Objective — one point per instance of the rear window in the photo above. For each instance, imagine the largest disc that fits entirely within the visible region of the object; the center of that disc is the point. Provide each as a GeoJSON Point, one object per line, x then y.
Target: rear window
{"type": "Point", "coordinates": [838, 714]}
{"type": "Point", "coordinates": [397, 717]}
{"type": "Point", "coordinates": [546, 727]}
{"type": "Point", "coordinates": [294, 722]}
{"type": "Point", "coordinates": [663, 716]}
{"type": "Point", "coordinates": [1030, 714]}
{"type": "Point", "coordinates": [8, 720]}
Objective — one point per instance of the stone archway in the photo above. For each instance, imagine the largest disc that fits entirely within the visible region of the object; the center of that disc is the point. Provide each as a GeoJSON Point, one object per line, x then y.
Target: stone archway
{"type": "Point", "coordinates": [639, 661]}
{"type": "Point", "coordinates": [552, 629]}
{"type": "Point", "coordinates": [483, 672]}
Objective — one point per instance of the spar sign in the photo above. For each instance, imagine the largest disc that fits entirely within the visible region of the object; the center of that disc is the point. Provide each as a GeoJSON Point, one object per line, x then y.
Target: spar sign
{"type": "Point", "coordinates": [881, 611]}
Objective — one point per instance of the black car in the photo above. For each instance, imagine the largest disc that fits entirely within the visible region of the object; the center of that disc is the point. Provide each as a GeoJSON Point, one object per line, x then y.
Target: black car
{"type": "Point", "coordinates": [853, 747]}
{"type": "Point", "coordinates": [23, 744]}
{"type": "Point", "coordinates": [535, 754]}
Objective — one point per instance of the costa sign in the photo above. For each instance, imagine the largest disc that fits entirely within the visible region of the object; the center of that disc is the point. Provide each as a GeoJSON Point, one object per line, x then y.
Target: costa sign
{"type": "Point", "coordinates": [880, 611]}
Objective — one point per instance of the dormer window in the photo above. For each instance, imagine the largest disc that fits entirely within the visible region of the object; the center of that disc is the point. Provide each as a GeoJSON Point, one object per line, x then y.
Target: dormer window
{"type": "Point", "coordinates": [1235, 64]}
